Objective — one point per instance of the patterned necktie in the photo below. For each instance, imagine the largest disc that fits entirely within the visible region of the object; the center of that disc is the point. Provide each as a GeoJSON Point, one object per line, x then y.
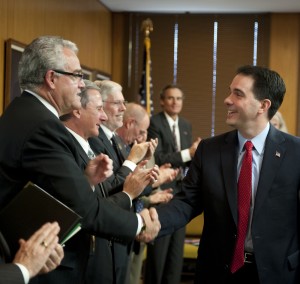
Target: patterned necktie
{"type": "Point", "coordinates": [244, 198]}
{"type": "Point", "coordinates": [90, 154]}
{"type": "Point", "coordinates": [139, 205]}
{"type": "Point", "coordinates": [175, 138]}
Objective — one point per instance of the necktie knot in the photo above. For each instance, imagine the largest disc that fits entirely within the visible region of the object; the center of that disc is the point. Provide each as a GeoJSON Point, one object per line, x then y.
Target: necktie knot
{"type": "Point", "coordinates": [91, 154]}
{"type": "Point", "coordinates": [248, 146]}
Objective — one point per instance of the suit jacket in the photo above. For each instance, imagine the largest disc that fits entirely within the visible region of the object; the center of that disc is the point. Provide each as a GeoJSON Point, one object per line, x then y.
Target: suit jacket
{"type": "Point", "coordinates": [211, 187]}
{"type": "Point", "coordinates": [166, 151]}
{"type": "Point", "coordinates": [36, 147]}
{"type": "Point", "coordinates": [101, 263]}
{"type": "Point", "coordinates": [101, 144]}
{"type": "Point", "coordinates": [10, 274]}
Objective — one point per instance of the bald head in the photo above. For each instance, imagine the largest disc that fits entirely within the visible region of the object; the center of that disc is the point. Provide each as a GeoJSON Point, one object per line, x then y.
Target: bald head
{"type": "Point", "coordinates": [136, 122]}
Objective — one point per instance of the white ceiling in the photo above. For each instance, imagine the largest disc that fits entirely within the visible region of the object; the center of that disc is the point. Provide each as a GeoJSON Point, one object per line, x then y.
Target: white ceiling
{"type": "Point", "coordinates": [203, 6]}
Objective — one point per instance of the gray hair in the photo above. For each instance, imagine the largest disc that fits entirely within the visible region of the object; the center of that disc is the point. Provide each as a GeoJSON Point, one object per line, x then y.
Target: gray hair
{"type": "Point", "coordinates": [42, 54]}
{"type": "Point", "coordinates": [108, 87]}
{"type": "Point", "coordinates": [84, 98]}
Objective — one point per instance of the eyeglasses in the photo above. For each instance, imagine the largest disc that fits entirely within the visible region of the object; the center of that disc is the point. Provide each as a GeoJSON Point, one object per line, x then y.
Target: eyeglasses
{"type": "Point", "coordinates": [117, 103]}
{"type": "Point", "coordinates": [76, 75]}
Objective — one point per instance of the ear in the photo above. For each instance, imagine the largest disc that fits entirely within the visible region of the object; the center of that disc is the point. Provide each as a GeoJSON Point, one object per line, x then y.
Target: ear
{"type": "Point", "coordinates": [77, 113]}
{"type": "Point", "coordinates": [49, 78]}
{"type": "Point", "coordinates": [129, 122]}
{"type": "Point", "coordinates": [265, 105]}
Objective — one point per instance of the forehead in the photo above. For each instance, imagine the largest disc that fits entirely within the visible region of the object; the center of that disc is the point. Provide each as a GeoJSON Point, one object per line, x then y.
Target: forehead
{"type": "Point", "coordinates": [71, 59]}
{"type": "Point", "coordinates": [173, 92]}
{"type": "Point", "coordinates": [242, 82]}
{"type": "Point", "coordinates": [94, 97]}
{"type": "Point", "coordinates": [116, 95]}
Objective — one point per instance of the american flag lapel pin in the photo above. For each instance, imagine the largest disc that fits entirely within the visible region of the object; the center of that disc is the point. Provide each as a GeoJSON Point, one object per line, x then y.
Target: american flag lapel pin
{"type": "Point", "coordinates": [277, 154]}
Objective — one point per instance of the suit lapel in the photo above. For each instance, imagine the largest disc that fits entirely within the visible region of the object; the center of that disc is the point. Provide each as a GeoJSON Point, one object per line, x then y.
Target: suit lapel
{"type": "Point", "coordinates": [109, 148]}
{"type": "Point", "coordinates": [229, 168]}
{"type": "Point", "coordinates": [273, 155]}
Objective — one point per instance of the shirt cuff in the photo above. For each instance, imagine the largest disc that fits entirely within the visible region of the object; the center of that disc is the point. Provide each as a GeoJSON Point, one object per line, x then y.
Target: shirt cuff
{"type": "Point", "coordinates": [129, 198]}
{"type": "Point", "coordinates": [185, 155]}
{"type": "Point", "coordinates": [24, 271]}
{"type": "Point", "coordinates": [130, 165]}
{"type": "Point", "coordinates": [140, 224]}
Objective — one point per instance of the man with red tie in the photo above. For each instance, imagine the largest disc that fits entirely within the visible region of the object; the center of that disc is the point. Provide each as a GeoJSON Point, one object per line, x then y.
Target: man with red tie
{"type": "Point", "coordinates": [251, 219]}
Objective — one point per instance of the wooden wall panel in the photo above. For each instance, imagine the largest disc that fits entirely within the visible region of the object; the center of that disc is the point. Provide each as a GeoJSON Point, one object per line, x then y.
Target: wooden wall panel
{"type": "Point", "coordinates": [86, 22]}
{"type": "Point", "coordinates": [284, 58]}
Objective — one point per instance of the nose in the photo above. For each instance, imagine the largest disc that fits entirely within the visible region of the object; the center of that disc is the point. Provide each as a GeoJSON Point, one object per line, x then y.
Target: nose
{"type": "Point", "coordinates": [103, 116]}
{"type": "Point", "coordinates": [227, 100]}
{"type": "Point", "coordinates": [81, 84]}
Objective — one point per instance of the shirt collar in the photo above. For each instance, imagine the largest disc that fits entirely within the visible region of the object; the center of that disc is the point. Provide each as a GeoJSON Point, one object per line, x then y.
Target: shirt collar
{"type": "Point", "coordinates": [170, 120]}
{"type": "Point", "coordinates": [258, 141]}
{"type": "Point", "coordinates": [83, 143]}
{"type": "Point", "coordinates": [45, 103]}
{"type": "Point", "coordinates": [109, 134]}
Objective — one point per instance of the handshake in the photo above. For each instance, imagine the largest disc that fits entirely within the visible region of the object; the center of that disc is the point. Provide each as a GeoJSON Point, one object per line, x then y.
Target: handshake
{"type": "Point", "coordinates": [151, 225]}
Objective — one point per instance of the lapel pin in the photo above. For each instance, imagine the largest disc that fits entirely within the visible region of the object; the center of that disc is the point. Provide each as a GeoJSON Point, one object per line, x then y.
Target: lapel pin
{"type": "Point", "coordinates": [277, 154]}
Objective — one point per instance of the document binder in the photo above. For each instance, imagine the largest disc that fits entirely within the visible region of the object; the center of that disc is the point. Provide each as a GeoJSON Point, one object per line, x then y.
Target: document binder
{"type": "Point", "coordinates": [32, 208]}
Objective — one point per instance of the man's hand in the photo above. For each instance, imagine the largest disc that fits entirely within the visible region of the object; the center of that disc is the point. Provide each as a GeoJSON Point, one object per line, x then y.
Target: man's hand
{"type": "Point", "coordinates": [142, 151]}
{"type": "Point", "coordinates": [139, 179]}
{"type": "Point", "coordinates": [41, 252]}
{"type": "Point", "coordinates": [152, 147]}
{"type": "Point", "coordinates": [194, 146]}
{"type": "Point", "coordinates": [152, 223]}
{"type": "Point", "coordinates": [161, 196]}
{"type": "Point", "coordinates": [166, 174]}
{"type": "Point", "coordinates": [99, 169]}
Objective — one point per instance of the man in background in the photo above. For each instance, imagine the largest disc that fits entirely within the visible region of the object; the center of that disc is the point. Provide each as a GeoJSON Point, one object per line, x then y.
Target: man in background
{"type": "Point", "coordinates": [174, 134]}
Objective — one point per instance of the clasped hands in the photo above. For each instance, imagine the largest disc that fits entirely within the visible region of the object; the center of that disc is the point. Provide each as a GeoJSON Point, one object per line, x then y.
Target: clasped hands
{"type": "Point", "coordinates": [152, 224]}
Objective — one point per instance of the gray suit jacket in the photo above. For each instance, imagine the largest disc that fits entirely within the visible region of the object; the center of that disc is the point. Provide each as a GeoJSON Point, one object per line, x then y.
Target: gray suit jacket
{"type": "Point", "coordinates": [211, 187]}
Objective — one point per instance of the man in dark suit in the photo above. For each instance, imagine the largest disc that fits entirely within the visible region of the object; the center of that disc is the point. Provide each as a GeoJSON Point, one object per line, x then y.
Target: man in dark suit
{"type": "Point", "coordinates": [174, 134]}
{"type": "Point", "coordinates": [37, 147]}
{"type": "Point", "coordinates": [109, 142]}
{"type": "Point", "coordinates": [123, 162]}
{"type": "Point", "coordinates": [32, 257]}
{"type": "Point", "coordinates": [269, 248]}
{"type": "Point", "coordinates": [83, 124]}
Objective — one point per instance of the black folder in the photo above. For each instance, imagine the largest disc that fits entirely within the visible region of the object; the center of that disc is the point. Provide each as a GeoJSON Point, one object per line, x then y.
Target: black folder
{"type": "Point", "coordinates": [29, 210]}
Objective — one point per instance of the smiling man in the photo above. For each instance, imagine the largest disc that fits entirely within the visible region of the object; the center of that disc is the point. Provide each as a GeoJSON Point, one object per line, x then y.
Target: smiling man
{"type": "Point", "coordinates": [247, 183]}
{"type": "Point", "coordinates": [35, 146]}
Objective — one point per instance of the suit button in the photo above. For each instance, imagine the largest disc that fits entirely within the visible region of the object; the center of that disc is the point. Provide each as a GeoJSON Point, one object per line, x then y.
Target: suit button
{"type": "Point", "coordinates": [226, 267]}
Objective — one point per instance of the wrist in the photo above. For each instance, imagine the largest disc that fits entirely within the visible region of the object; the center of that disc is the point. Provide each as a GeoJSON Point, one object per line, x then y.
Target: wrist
{"type": "Point", "coordinates": [143, 225]}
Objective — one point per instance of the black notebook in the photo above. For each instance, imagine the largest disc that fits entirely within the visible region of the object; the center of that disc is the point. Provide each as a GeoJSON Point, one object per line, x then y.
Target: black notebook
{"type": "Point", "coordinates": [29, 210]}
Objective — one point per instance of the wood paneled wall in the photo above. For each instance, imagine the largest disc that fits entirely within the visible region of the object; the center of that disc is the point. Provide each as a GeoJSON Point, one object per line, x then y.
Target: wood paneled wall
{"type": "Point", "coordinates": [100, 38]}
{"type": "Point", "coordinates": [86, 22]}
{"type": "Point", "coordinates": [284, 58]}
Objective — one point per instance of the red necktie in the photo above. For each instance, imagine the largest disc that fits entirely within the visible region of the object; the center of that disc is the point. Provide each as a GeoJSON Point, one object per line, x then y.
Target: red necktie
{"type": "Point", "coordinates": [244, 197]}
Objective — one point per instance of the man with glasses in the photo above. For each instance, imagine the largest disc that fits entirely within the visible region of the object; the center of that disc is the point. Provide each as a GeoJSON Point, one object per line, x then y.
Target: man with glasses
{"type": "Point", "coordinates": [35, 146]}
{"type": "Point", "coordinates": [108, 142]}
